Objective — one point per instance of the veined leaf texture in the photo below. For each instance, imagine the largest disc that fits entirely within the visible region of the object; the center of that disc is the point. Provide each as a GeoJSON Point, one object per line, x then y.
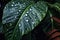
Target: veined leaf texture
{"type": "Point", "coordinates": [21, 17]}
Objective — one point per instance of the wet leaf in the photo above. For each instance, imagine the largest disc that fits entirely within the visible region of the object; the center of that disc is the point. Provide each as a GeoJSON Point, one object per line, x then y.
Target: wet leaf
{"type": "Point", "coordinates": [21, 17]}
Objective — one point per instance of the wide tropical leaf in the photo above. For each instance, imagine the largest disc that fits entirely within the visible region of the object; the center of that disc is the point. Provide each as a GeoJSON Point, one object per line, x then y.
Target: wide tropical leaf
{"type": "Point", "coordinates": [20, 17]}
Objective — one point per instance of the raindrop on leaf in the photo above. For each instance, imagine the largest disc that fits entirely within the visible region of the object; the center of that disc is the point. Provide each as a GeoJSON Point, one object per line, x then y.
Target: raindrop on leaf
{"type": "Point", "coordinates": [26, 20]}
{"type": "Point", "coordinates": [33, 22]}
{"type": "Point", "coordinates": [19, 24]}
{"type": "Point", "coordinates": [30, 9]}
{"type": "Point", "coordinates": [19, 10]}
{"type": "Point", "coordinates": [25, 14]}
{"type": "Point", "coordinates": [12, 5]}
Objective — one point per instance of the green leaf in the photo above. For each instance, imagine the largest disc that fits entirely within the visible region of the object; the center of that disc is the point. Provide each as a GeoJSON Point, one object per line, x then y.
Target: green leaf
{"type": "Point", "coordinates": [21, 17]}
{"type": "Point", "coordinates": [57, 6]}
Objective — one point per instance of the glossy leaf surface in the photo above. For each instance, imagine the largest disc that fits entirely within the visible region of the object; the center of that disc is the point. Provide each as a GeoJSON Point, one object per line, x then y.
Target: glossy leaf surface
{"type": "Point", "coordinates": [20, 17]}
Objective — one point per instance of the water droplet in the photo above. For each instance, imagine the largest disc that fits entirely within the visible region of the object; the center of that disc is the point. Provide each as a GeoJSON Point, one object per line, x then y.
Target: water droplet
{"type": "Point", "coordinates": [19, 10]}
{"type": "Point", "coordinates": [12, 5]}
{"type": "Point", "coordinates": [26, 20]}
{"type": "Point", "coordinates": [33, 22]}
{"type": "Point", "coordinates": [25, 14]}
{"type": "Point", "coordinates": [24, 3]}
{"type": "Point", "coordinates": [19, 24]}
{"type": "Point", "coordinates": [30, 9]}
{"type": "Point", "coordinates": [5, 7]}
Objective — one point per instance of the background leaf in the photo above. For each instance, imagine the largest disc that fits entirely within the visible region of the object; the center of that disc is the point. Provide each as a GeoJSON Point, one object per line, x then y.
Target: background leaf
{"type": "Point", "coordinates": [57, 6]}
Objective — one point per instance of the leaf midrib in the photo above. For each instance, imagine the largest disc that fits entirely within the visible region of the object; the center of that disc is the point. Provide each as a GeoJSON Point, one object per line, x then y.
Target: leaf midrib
{"type": "Point", "coordinates": [24, 12]}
